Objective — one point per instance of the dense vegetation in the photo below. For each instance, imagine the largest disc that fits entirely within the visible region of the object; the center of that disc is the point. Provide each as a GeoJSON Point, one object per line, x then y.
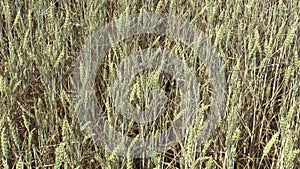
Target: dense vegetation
{"type": "Point", "coordinates": [258, 42]}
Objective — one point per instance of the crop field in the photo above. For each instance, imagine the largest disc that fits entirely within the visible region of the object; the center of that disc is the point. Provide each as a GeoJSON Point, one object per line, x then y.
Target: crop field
{"type": "Point", "coordinates": [164, 84]}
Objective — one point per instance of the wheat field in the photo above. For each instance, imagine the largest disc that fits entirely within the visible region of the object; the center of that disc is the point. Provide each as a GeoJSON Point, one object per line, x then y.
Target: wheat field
{"type": "Point", "coordinates": [257, 41]}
